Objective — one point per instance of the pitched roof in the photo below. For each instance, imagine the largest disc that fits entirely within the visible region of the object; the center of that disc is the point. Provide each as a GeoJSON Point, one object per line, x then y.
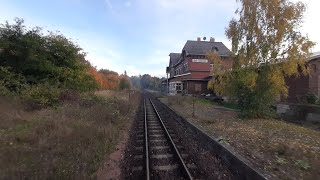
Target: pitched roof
{"type": "Point", "coordinates": [174, 58]}
{"type": "Point", "coordinates": [203, 47]}
{"type": "Point", "coordinates": [314, 55]}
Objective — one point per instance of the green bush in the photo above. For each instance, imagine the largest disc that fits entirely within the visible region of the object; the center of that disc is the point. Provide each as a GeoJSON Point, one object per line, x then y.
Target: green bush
{"type": "Point", "coordinates": [4, 91]}
{"type": "Point", "coordinates": [42, 94]}
{"type": "Point", "coordinates": [311, 98]}
{"type": "Point", "coordinates": [39, 67]}
{"type": "Point", "coordinates": [10, 83]}
{"type": "Point", "coordinates": [90, 99]}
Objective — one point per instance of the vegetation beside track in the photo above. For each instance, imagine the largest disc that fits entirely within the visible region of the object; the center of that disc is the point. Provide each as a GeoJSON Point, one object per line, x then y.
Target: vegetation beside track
{"type": "Point", "coordinates": [68, 141]}
{"type": "Point", "coordinates": [281, 149]}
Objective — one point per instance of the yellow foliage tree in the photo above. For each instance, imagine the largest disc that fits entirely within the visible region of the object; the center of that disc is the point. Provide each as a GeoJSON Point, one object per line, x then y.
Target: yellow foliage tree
{"type": "Point", "coordinates": [219, 73]}
{"type": "Point", "coordinates": [268, 47]}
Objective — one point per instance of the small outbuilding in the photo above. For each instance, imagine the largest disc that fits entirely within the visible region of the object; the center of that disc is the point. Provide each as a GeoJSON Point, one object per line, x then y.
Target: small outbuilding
{"type": "Point", "coordinates": [300, 87]}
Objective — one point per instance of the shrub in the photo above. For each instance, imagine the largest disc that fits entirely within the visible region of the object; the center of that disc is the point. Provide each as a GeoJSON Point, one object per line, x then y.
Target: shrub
{"type": "Point", "coordinates": [311, 98]}
{"type": "Point", "coordinates": [10, 83]}
{"type": "Point", "coordinates": [42, 94]}
{"type": "Point", "coordinates": [30, 58]}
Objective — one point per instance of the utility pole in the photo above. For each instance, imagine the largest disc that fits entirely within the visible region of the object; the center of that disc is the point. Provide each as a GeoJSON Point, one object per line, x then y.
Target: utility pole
{"type": "Point", "coordinates": [193, 115]}
{"type": "Point", "coordinates": [167, 82]}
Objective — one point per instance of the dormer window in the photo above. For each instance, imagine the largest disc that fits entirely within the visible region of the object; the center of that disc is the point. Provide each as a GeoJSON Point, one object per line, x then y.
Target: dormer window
{"type": "Point", "coordinates": [215, 49]}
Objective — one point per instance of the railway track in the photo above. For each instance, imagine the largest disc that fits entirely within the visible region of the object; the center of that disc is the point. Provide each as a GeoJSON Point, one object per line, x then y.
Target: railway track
{"type": "Point", "coordinates": [165, 146]}
{"type": "Point", "coordinates": [160, 156]}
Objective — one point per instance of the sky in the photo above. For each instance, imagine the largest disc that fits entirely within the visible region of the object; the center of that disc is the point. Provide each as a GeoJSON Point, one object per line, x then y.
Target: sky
{"type": "Point", "coordinates": [137, 35]}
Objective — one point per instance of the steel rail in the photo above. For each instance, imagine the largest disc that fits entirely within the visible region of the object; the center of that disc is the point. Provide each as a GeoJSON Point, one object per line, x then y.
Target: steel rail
{"type": "Point", "coordinates": [146, 141]}
{"type": "Point", "coordinates": [189, 176]}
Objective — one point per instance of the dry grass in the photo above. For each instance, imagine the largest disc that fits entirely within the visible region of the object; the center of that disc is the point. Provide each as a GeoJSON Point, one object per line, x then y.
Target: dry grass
{"type": "Point", "coordinates": [284, 150]}
{"type": "Point", "coordinates": [66, 142]}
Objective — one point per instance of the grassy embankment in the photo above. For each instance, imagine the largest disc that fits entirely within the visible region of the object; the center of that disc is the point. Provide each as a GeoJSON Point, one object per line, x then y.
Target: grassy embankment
{"type": "Point", "coordinates": [283, 150]}
{"type": "Point", "coordinates": [68, 141]}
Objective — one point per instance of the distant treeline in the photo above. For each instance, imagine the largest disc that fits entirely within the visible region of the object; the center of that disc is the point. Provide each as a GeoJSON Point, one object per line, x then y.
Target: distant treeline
{"type": "Point", "coordinates": [146, 82]}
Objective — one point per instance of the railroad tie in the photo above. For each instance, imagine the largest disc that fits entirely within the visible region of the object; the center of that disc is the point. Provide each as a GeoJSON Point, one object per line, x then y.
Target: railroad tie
{"type": "Point", "coordinates": [140, 135]}
{"type": "Point", "coordinates": [160, 147]}
{"type": "Point", "coordinates": [184, 155]}
{"type": "Point", "coordinates": [156, 135]}
{"type": "Point", "coordinates": [139, 148]}
{"type": "Point", "coordinates": [153, 121]}
{"type": "Point", "coordinates": [158, 140]}
{"type": "Point", "coordinates": [154, 125]}
{"type": "Point", "coordinates": [191, 166]}
{"type": "Point", "coordinates": [166, 167]}
{"type": "Point", "coordinates": [138, 168]}
{"type": "Point", "coordinates": [155, 131]}
{"type": "Point", "coordinates": [161, 156]}
{"type": "Point", "coordinates": [138, 157]}
{"type": "Point", "coordinates": [179, 147]}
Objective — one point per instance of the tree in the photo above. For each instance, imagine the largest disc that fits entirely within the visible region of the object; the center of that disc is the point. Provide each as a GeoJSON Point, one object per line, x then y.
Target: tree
{"type": "Point", "coordinates": [268, 47]}
{"type": "Point", "coordinates": [149, 82]}
{"type": "Point", "coordinates": [135, 80]}
{"type": "Point", "coordinates": [30, 59]}
{"type": "Point", "coordinates": [112, 78]}
{"type": "Point", "coordinates": [217, 72]}
{"type": "Point", "coordinates": [124, 83]}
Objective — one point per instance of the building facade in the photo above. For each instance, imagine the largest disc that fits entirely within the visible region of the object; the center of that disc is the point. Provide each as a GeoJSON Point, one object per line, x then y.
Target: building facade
{"type": "Point", "coordinates": [189, 71]}
{"type": "Point", "coordinates": [299, 87]}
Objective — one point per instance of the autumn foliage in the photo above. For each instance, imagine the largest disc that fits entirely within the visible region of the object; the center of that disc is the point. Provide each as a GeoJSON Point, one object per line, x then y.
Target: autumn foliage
{"type": "Point", "coordinates": [268, 47]}
{"type": "Point", "coordinates": [110, 80]}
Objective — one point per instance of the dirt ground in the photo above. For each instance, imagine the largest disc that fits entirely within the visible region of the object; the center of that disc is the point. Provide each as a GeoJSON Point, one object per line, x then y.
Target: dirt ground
{"type": "Point", "coordinates": [111, 168]}
{"type": "Point", "coordinates": [282, 150]}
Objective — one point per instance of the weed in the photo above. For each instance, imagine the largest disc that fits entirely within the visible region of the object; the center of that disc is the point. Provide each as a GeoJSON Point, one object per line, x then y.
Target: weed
{"type": "Point", "coordinates": [223, 141]}
{"type": "Point", "coordinates": [281, 149]}
{"type": "Point", "coordinates": [203, 101]}
{"type": "Point", "coordinates": [281, 160]}
{"type": "Point", "coordinates": [303, 164]}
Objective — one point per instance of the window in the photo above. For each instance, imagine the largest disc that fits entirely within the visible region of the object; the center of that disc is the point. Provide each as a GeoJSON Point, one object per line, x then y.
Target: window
{"type": "Point", "coordinates": [178, 87]}
{"type": "Point", "coordinates": [185, 67]}
{"type": "Point", "coordinates": [215, 49]}
{"type": "Point", "coordinates": [211, 67]}
{"type": "Point", "coordinates": [200, 60]}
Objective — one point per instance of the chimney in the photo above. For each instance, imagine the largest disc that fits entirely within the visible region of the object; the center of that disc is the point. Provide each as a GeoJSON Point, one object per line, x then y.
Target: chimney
{"type": "Point", "coordinates": [199, 39]}
{"type": "Point", "coordinates": [212, 39]}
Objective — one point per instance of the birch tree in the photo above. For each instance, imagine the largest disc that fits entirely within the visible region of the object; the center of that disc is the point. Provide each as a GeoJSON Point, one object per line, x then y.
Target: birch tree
{"type": "Point", "coordinates": [268, 47]}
